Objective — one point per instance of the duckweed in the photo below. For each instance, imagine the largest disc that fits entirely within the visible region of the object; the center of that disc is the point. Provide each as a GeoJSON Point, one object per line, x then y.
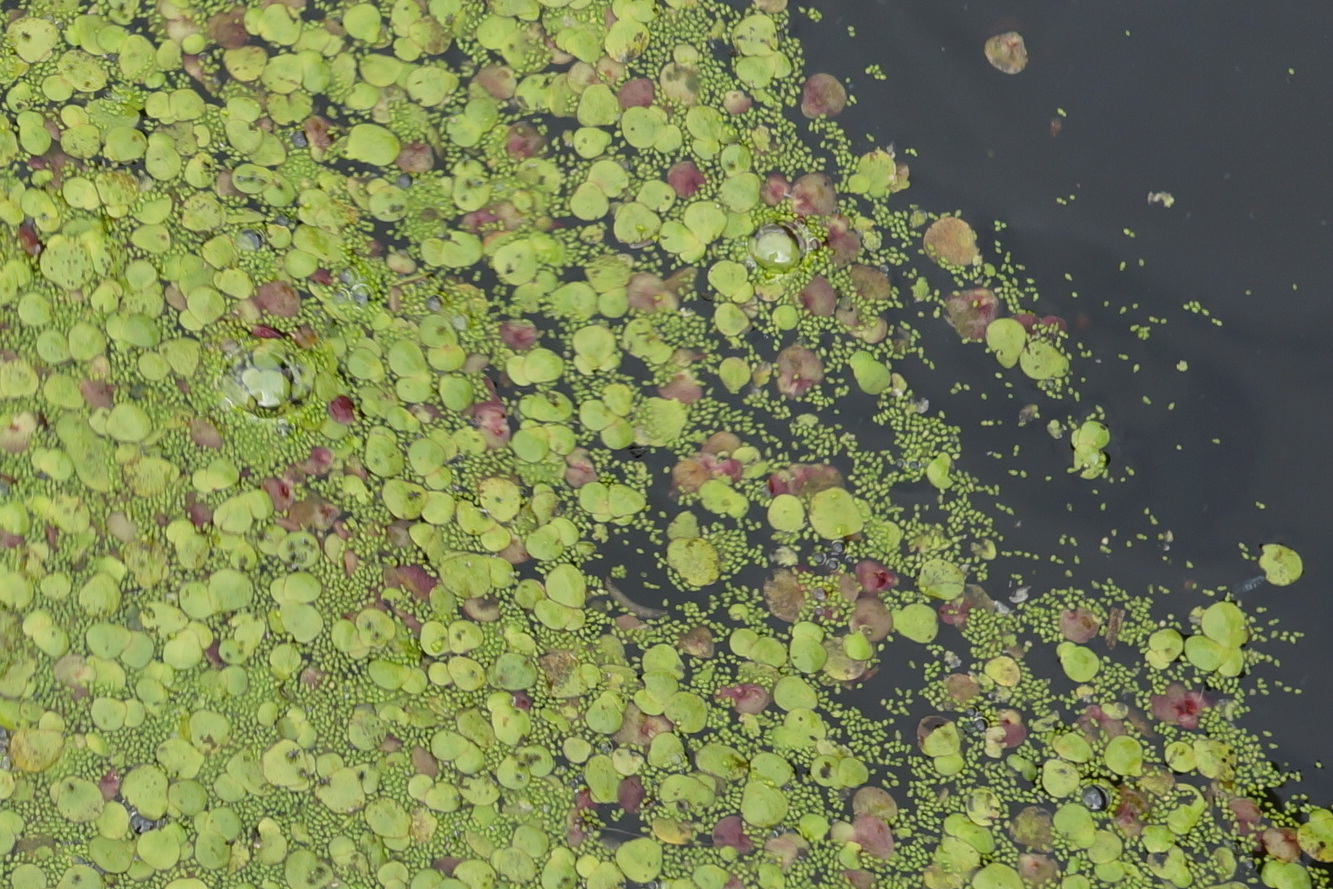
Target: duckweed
{"type": "Point", "coordinates": [423, 466]}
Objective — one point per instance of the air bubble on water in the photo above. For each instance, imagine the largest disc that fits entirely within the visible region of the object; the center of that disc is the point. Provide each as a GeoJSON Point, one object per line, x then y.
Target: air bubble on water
{"type": "Point", "coordinates": [267, 378]}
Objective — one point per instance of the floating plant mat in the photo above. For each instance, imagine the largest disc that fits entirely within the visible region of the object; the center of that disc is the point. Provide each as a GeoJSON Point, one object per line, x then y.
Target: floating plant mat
{"type": "Point", "coordinates": [426, 464]}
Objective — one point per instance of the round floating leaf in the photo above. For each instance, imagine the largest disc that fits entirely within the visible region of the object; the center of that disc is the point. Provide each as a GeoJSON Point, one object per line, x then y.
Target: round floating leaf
{"type": "Point", "coordinates": [808, 654]}
{"type": "Point", "coordinates": [1281, 565]}
{"type": "Point", "coordinates": [793, 692]}
{"type": "Point", "coordinates": [1124, 755]}
{"type": "Point", "coordinates": [835, 514]}
{"type": "Point", "coordinates": [1204, 653]}
{"type": "Point", "coordinates": [939, 471]}
{"type": "Point", "coordinates": [145, 788]}
{"type": "Point", "coordinates": [642, 126]}
{"type": "Point", "coordinates": [640, 859]}
{"type": "Point", "coordinates": [941, 739]}
{"type": "Point", "coordinates": [1316, 835]}
{"type": "Point", "coordinates": [857, 647]}
{"type": "Point", "coordinates": [77, 800]}
{"type": "Point", "coordinates": [595, 349]}
{"type": "Point", "coordinates": [341, 792]}
{"type": "Point", "coordinates": [66, 262]}
{"type": "Point", "coordinates": [1087, 442]}
{"type": "Point", "coordinates": [304, 869]}
{"type": "Point", "coordinates": [705, 220]}
{"type": "Point", "coordinates": [32, 38]}
{"type": "Point", "coordinates": [18, 379]}
{"type": "Point", "coordinates": [695, 559]}
{"type": "Point", "coordinates": [302, 621]}
{"type": "Point", "coordinates": [1004, 670]}
{"type": "Point", "coordinates": [940, 579]}
{"type": "Point", "coordinates": [1164, 646]}
{"type": "Point", "coordinates": [543, 366]}
{"type": "Point", "coordinates": [1042, 361]}
{"type": "Point", "coordinates": [161, 849]}
{"type": "Point", "coordinates": [567, 586]}
{"type": "Point", "coordinates": [951, 241]}
{"type": "Point", "coordinates": [387, 818]}
{"type": "Point", "coordinates": [1091, 435]}
{"type": "Point", "coordinates": [516, 262]}
{"type": "Point", "coordinates": [35, 749]}
{"type": "Point", "coordinates": [762, 804]}
{"type": "Point", "coordinates": [687, 711]}
{"type": "Point", "coordinates": [1275, 873]}
{"type": "Point", "coordinates": [285, 764]}
{"type": "Point", "coordinates": [1225, 624]}
{"type": "Point", "coordinates": [997, 876]}
{"type": "Point", "coordinates": [1059, 778]}
{"type": "Point", "coordinates": [730, 320]}
{"type": "Point", "coordinates": [636, 224]}
{"type": "Point", "coordinates": [1006, 338]}
{"type": "Point", "coordinates": [597, 106]}
{"type": "Point", "coordinates": [1080, 664]}
{"type": "Point", "coordinates": [872, 376]}
{"type": "Point", "coordinates": [1179, 756]}
{"type": "Point", "coordinates": [500, 497]}
{"type": "Point", "coordinates": [363, 22]}
{"type": "Point", "coordinates": [516, 864]}
{"type": "Point", "coordinates": [512, 672]}
{"type": "Point", "coordinates": [588, 202]}
{"type": "Point", "coordinates": [371, 143]}
{"type": "Point", "coordinates": [720, 498]}
{"type": "Point", "coordinates": [917, 622]}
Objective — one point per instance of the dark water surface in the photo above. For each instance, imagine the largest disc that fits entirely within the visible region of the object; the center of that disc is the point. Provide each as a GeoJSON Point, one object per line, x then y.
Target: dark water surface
{"type": "Point", "coordinates": [1225, 107]}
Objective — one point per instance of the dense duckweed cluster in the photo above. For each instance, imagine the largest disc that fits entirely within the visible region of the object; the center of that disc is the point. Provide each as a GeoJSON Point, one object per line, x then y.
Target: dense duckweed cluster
{"type": "Point", "coordinates": [472, 444]}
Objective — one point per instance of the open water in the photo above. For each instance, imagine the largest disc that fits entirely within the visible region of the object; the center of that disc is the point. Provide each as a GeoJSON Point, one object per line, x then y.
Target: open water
{"type": "Point", "coordinates": [1223, 106]}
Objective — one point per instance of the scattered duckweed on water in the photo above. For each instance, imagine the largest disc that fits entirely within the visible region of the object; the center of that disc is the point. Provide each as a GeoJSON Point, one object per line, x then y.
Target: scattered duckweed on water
{"type": "Point", "coordinates": [370, 371]}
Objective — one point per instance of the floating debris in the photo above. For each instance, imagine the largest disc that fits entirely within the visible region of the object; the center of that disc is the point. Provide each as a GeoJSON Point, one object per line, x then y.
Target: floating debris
{"type": "Point", "coordinates": [1007, 52]}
